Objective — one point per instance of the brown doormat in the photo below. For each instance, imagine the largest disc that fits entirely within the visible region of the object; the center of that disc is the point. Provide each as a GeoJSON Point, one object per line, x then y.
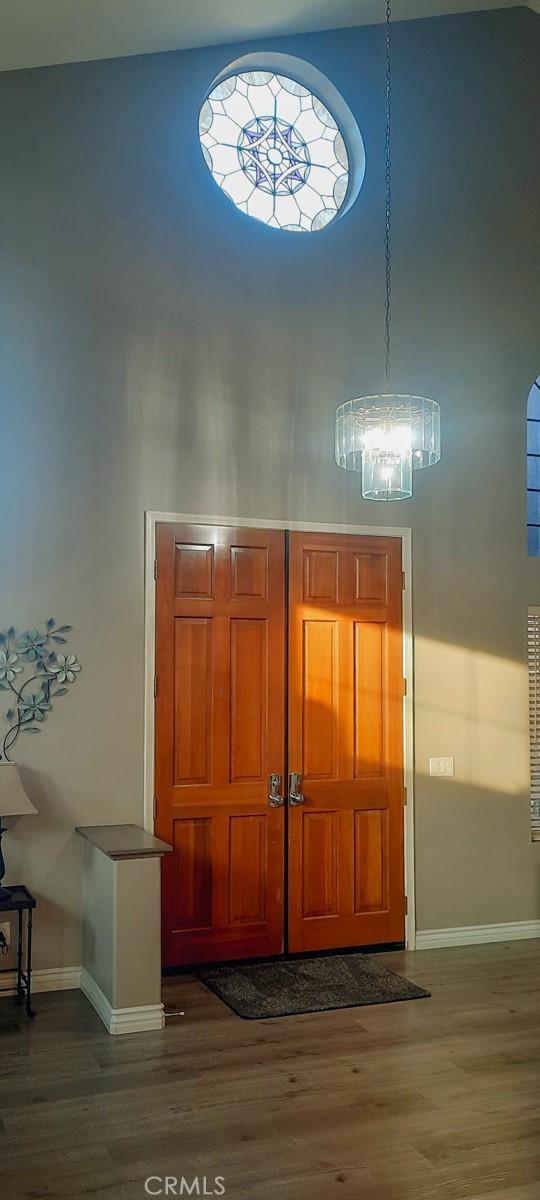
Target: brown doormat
{"type": "Point", "coordinates": [282, 989]}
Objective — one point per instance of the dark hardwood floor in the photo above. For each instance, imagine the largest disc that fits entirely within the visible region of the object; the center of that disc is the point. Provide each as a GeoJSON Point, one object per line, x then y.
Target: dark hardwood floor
{"type": "Point", "coordinates": [426, 1100]}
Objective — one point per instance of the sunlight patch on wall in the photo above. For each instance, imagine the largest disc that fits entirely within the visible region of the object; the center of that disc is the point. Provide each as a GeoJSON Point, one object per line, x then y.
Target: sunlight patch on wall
{"type": "Point", "coordinates": [473, 706]}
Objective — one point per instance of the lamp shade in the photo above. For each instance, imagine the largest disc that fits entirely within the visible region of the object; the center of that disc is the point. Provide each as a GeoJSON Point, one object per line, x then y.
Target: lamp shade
{"type": "Point", "coordinates": [13, 799]}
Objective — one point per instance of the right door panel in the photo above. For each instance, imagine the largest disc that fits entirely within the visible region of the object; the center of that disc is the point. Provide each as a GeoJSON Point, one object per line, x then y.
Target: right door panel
{"type": "Point", "coordinates": [346, 868]}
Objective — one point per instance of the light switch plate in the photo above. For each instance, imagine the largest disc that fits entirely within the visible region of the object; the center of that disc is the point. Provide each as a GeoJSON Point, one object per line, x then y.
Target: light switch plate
{"type": "Point", "coordinates": [441, 766]}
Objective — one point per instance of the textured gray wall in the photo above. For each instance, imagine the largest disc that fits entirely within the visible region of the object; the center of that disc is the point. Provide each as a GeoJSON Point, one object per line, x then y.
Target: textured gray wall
{"type": "Point", "coordinates": [161, 351]}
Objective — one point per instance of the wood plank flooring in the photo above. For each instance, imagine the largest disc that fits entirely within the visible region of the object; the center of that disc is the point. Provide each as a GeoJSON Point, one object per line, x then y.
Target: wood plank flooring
{"type": "Point", "coordinates": [426, 1100]}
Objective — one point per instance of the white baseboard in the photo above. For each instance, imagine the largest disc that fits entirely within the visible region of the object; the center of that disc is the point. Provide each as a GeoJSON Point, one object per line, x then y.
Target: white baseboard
{"type": "Point", "coordinates": [151, 1016]}
{"type": "Point", "coordinates": [476, 935]}
{"type": "Point", "coordinates": [48, 979]}
{"type": "Point", "coordinates": [141, 1019]}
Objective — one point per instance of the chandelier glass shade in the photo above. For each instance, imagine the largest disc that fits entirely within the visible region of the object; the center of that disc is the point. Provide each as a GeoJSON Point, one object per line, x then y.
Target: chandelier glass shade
{"type": "Point", "coordinates": [386, 438]}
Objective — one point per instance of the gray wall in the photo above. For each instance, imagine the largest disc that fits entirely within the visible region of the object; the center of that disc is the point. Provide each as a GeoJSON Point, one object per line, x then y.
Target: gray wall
{"type": "Point", "coordinates": [161, 351]}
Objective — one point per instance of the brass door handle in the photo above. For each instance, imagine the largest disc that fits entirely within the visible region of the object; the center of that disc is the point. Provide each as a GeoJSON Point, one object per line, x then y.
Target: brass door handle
{"type": "Point", "coordinates": [275, 799]}
{"type": "Point", "coordinates": [295, 783]}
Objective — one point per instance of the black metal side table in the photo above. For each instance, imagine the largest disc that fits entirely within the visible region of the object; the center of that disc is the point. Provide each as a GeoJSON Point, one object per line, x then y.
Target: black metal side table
{"type": "Point", "coordinates": [21, 901]}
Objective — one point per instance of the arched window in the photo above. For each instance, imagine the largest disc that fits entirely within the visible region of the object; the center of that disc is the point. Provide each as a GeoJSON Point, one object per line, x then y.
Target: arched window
{"type": "Point", "coordinates": [533, 470]}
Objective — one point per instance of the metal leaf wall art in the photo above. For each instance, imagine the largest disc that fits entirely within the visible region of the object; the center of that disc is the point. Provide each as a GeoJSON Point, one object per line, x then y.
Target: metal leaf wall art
{"type": "Point", "coordinates": [35, 674]}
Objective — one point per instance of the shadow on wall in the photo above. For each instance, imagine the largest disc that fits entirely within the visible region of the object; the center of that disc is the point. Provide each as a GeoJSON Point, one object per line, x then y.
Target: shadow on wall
{"type": "Point", "coordinates": [466, 876]}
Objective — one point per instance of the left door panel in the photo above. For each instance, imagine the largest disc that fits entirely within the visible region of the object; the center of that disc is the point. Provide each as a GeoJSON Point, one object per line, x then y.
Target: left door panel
{"type": "Point", "coordinates": [220, 703]}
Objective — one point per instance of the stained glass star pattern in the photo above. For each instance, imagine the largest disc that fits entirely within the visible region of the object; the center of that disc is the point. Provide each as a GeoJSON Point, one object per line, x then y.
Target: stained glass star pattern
{"type": "Point", "coordinates": [273, 156]}
{"type": "Point", "coordinates": [275, 150]}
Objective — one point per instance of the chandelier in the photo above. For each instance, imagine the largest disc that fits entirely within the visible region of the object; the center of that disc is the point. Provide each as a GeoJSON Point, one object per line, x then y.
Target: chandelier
{"type": "Point", "coordinates": [387, 437]}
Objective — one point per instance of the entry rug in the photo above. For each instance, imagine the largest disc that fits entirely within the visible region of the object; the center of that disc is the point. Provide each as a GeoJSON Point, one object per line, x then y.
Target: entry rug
{"type": "Point", "coordinates": [283, 989]}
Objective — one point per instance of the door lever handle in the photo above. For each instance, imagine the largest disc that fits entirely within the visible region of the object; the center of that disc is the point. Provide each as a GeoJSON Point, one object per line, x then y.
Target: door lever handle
{"type": "Point", "coordinates": [275, 799]}
{"type": "Point", "coordinates": [295, 783]}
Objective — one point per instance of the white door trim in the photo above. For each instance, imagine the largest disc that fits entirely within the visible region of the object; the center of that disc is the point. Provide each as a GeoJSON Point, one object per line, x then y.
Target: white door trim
{"type": "Point", "coordinates": [408, 662]}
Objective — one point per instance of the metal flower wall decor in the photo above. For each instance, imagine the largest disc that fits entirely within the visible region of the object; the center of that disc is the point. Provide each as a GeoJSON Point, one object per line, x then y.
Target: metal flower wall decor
{"type": "Point", "coordinates": [27, 659]}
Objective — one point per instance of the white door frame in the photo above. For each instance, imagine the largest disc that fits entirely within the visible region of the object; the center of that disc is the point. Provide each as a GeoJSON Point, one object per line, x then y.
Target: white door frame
{"type": "Point", "coordinates": [408, 661]}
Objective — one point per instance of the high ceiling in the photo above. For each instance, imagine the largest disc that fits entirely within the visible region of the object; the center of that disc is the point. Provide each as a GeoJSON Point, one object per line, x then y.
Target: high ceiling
{"type": "Point", "coordinates": [37, 33]}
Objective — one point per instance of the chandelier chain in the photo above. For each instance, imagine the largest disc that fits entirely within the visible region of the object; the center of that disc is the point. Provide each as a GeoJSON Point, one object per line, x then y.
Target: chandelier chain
{"type": "Point", "coordinates": [388, 197]}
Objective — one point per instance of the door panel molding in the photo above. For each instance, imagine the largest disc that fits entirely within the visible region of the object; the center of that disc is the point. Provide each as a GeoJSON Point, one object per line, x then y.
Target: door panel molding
{"type": "Point", "coordinates": [220, 733]}
{"type": "Point", "coordinates": [345, 702]}
{"type": "Point", "coordinates": [366, 587]}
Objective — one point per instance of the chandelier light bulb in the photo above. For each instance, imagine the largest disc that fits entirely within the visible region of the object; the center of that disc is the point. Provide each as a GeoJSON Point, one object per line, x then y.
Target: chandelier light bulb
{"type": "Point", "coordinates": [388, 439]}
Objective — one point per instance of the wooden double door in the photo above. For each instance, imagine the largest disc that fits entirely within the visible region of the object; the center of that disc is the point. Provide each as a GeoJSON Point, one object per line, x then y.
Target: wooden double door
{"type": "Point", "coordinates": [279, 745]}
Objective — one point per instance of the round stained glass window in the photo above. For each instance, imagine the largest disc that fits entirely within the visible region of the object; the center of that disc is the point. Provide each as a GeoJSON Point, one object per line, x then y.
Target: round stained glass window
{"type": "Point", "coordinates": [281, 143]}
